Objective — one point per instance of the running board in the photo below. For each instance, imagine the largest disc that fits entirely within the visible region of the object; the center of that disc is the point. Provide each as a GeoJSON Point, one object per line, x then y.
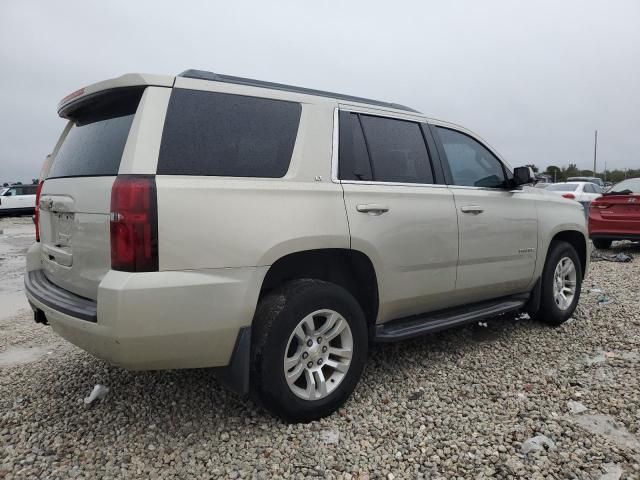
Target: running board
{"type": "Point", "coordinates": [409, 327]}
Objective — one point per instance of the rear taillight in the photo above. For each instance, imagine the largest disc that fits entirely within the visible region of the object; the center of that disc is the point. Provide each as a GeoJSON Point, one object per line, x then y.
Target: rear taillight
{"type": "Point", "coordinates": [36, 216]}
{"type": "Point", "coordinates": [569, 195]}
{"type": "Point", "coordinates": [134, 224]}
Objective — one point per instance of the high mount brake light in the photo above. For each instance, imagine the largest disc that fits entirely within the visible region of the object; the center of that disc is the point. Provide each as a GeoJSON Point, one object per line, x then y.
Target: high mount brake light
{"type": "Point", "coordinates": [134, 224]}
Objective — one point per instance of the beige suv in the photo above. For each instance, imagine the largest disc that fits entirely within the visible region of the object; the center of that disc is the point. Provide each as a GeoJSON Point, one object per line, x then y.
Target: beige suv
{"type": "Point", "coordinates": [273, 231]}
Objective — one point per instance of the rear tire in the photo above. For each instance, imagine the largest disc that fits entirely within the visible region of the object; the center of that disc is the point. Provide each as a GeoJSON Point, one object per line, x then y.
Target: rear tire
{"type": "Point", "coordinates": [309, 348]}
{"type": "Point", "coordinates": [561, 284]}
{"type": "Point", "coordinates": [601, 243]}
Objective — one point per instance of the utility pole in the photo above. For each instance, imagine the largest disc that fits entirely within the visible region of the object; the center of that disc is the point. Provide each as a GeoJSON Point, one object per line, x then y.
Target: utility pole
{"type": "Point", "coordinates": [595, 153]}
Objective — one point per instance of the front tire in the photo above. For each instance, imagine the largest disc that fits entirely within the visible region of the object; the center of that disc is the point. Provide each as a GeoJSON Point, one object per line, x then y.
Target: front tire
{"type": "Point", "coordinates": [561, 284]}
{"type": "Point", "coordinates": [309, 348]}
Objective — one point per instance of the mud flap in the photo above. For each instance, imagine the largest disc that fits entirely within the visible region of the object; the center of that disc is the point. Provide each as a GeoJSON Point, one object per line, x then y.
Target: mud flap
{"type": "Point", "coordinates": [235, 376]}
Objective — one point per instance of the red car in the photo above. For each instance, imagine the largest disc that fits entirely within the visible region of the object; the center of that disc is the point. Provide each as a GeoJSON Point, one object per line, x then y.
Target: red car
{"type": "Point", "coordinates": [616, 214]}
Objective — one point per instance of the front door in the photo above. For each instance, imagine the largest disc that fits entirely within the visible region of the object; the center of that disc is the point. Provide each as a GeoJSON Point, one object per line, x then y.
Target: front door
{"type": "Point", "coordinates": [498, 227]}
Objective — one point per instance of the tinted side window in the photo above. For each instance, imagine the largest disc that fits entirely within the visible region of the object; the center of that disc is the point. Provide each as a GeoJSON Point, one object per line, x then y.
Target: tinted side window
{"type": "Point", "coordinates": [589, 188]}
{"type": "Point", "coordinates": [218, 134]}
{"type": "Point", "coordinates": [471, 164]}
{"type": "Point", "coordinates": [353, 157]}
{"type": "Point", "coordinates": [397, 150]}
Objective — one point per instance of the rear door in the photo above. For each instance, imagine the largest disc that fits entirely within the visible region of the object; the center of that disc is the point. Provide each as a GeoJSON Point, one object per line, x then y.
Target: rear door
{"type": "Point", "coordinates": [498, 227]}
{"type": "Point", "coordinates": [75, 197]}
{"type": "Point", "coordinates": [398, 213]}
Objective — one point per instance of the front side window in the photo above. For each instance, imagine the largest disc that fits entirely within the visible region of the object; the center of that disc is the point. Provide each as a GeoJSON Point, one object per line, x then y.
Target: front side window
{"type": "Point", "coordinates": [218, 134]}
{"type": "Point", "coordinates": [471, 164]}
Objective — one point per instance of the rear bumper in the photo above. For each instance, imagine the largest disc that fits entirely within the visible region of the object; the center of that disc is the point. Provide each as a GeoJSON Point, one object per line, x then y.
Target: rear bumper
{"type": "Point", "coordinates": [155, 320]}
{"type": "Point", "coordinates": [624, 229]}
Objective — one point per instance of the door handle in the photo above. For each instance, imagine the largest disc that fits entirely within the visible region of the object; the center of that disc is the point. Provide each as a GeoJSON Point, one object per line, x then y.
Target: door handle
{"type": "Point", "coordinates": [372, 208]}
{"type": "Point", "coordinates": [475, 209]}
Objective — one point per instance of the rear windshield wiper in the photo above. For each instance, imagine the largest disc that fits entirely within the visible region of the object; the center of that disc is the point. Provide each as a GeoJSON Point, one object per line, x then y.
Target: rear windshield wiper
{"type": "Point", "coordinates": [622, 192]}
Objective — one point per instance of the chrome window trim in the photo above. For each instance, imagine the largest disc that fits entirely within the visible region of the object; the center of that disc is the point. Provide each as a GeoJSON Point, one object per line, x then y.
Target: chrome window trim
{"type": "Point", "coordinates": [392, 184]}
{"type": "Point", "coordinates": [335, 147]}
{"type": "Point", "coordinates": [485, 189]}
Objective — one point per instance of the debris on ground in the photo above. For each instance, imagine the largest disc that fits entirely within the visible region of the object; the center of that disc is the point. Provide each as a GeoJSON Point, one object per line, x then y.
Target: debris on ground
{"type": "Point", "coordinates": [539, 442]}
{"type": "Point", "coordinates": [599, 357]}
{"type": "Point", "coordinates": [607, 426]}
{"type": "Point", "coordinates": [604, 300]}
{"type": "Point", "coordinates": [576, 407]}
{"type": "Point", "coordinates": [330, 436]}
{"type": "Point", "coordinates": [611, 471]}
{"type": "Point", "coordinates": [596, 290]}
{"type": "Point", "coordinates": [98, 393]}
{"type": "Point", "coordinates": [618, 257]}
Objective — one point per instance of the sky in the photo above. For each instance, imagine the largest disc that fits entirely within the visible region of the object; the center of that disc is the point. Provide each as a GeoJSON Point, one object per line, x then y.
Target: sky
{"type": "Point", "coordinates": [534, 79]}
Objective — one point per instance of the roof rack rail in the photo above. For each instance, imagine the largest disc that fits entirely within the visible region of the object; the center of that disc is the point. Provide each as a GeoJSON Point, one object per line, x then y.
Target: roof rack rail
{"type": "Point", "coordinates": [216, 77]}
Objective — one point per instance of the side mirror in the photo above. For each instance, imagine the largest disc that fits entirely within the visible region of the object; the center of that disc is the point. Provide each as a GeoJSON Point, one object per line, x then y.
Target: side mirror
{"type": "Point", "coordinates": [523, 175]}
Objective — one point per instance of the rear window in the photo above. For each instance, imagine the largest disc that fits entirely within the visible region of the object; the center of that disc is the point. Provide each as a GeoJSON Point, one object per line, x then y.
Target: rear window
{"type": "Point", "coordinates": [563, 187]}
{"type": "Point", "coordinates": [218, 134]}
{"type": "Point", "coordinates": [632, 184]}
{"type": "Point", "coordinates": [96, 140]}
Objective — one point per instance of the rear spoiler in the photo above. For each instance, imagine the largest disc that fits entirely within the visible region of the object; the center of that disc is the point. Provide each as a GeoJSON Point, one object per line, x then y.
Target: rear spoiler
{"type": "Point", "coordinates": [125, 81]}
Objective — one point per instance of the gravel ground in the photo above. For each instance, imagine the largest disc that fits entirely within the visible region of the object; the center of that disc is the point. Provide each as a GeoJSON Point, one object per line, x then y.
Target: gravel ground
{"type": "Point", "coordinates": [460, 404]}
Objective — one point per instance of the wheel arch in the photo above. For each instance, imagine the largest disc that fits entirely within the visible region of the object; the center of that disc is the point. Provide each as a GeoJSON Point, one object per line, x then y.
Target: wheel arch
{"type": "Point", "coordinates": [578, 240]}
{"type": "Point", "coordinates": [351, 269]}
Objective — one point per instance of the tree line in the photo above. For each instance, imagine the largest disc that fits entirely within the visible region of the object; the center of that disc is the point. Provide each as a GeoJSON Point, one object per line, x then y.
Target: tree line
{"type": "Point", "coordinates": [560, 174]}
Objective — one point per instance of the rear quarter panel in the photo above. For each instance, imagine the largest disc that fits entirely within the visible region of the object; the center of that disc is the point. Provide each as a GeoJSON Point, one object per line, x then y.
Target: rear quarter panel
{"type": "Point", "coordinates": [217, 222]}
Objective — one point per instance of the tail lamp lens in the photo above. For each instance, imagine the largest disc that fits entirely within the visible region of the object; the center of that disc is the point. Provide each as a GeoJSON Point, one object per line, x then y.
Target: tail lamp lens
{"type": "Point", "coordinates": [36, 216]}
{"type": "Point", "coordinates": [569, 195]}
{"type": "Point", "coordinates": [134, 224]}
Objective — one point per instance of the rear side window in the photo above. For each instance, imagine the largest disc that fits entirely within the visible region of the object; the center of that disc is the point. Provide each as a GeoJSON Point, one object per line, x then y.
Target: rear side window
{"type": "Point", "coordinates": [382, 150]}
{"type": "Point", "coordinates": [217, 134]}
{"type": "Point", "coordinates": [397, 150]}
{"type": "Point", "coordinates": [96, 140]}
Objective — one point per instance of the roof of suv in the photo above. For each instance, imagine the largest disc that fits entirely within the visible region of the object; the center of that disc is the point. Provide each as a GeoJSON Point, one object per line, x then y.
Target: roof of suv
{"type": "Point", "coordinates": [139, 79]}
{"type": "Point", "coordinates": [216, 77]}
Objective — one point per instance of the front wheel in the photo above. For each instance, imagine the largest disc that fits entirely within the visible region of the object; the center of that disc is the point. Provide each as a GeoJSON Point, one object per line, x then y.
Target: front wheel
{"type": "Point", "coordinates": [561, 284]}
{"type": "Point", "coordinates": [309, 348]}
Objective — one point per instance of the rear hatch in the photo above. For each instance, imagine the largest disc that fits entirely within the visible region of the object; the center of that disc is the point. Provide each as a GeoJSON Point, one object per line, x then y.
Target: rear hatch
{"type": "Point", "coordinates": [76, 195]}
{"type": "Point", "coordinates": [620, 207]}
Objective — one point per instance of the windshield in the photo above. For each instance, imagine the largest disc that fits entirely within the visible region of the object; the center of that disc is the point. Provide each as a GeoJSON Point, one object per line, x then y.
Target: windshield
{"type": "Point", "coordinates": [632, 184]}
{"type": "Point", "coordinates": [563, 187]}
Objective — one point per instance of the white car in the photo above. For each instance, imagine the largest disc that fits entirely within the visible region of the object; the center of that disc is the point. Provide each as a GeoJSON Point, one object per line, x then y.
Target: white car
{"type": "Point", "coordinates": [18, 200]}
{"type": "Point", "coordinates": [272, 231]}
{"type": "Point", "coordinates": [583, 192]}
